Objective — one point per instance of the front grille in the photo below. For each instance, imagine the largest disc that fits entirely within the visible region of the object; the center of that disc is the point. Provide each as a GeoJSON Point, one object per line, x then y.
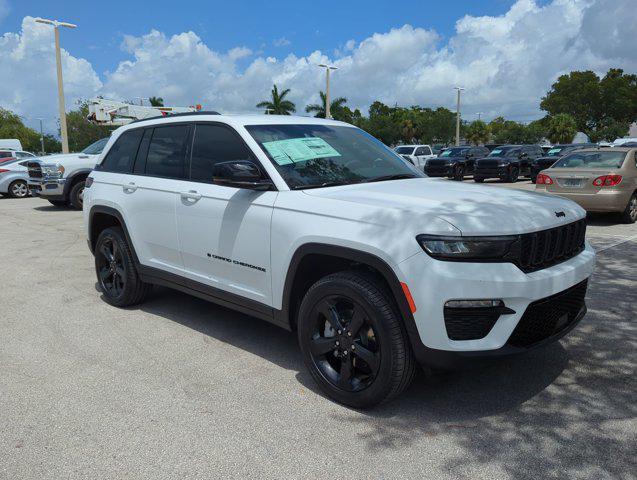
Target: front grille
{"type": "Point", "coordinates": [486, 163]}
{"type": "Point", "coordinates": [549, 316]}
{"type": "Point", "coordinates": [544, 249]}
{"type": "Point", "coordinates": [437, 163]}
{"type": "Point", "coordinates": [35, 169]}
{"type": "Point", "coordinates": [470, 323]}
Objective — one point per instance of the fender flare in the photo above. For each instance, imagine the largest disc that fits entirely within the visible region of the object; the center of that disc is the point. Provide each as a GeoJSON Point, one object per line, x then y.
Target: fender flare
{"type": "Point", "coordinates": [71, 178]}
{"type": "Point", "coordinates": [113, 213]}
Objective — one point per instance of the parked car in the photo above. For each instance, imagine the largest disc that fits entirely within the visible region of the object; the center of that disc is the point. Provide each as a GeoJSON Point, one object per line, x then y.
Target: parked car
{"type": "Point", "coordinates": [508, 163]}
{"type": "Point", "coordinates": [492, 146]}
{"type": "Point", "coordinates": [10, 144]}
{"type": "Point", "coordinates": [13, 179]}
{"type": "Point", "coordinates": [314, 226]}
{"type": "Point", "coordinates": [551, 156]}
{"type": "Point", "coordinates": [418, 155]}
{"type": "Point", "coordinates": [598, 180]}
{"type": "Point", "coordinates": [60, 178]}
{"type": "Point", "coordinates": [455, 162]}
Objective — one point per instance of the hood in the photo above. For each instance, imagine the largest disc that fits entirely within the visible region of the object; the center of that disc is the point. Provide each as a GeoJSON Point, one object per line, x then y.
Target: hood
{"type": "Point", "coordinates": [63, 157]}
{"type": "Point", "coordinates": [472, 209]}
{"type": "Point", "coordinates": [450, 159]}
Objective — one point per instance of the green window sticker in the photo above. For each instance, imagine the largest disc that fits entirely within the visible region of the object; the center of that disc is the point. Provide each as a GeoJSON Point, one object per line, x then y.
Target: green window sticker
{"type": "Point", "coordinates": [295, 150]}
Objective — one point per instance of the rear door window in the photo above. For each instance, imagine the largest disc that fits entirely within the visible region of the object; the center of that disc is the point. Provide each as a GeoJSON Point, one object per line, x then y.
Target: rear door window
{"type": "Point", "coordinates": [213, 144]}
{"type": "Point", "coordinates": [122, 154]}
{"type": "Point", "coordinates": [167, 152]}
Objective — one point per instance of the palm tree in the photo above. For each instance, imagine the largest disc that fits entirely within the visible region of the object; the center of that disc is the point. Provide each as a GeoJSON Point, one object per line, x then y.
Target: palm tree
{"type": "Point", "coordinates": [478, 133]}
{"type": "Point", "coordinates": [562, 128]}
{"type": "Point", "coordinates": [335, 106]}
{"type": "Point", "coordinates": [277, 105]}
{"type": "Point", "coordinates": [156, 101]}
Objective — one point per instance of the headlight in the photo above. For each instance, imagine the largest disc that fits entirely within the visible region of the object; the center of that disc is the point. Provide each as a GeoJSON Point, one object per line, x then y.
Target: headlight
{"type": "Point", "coordinates": [469, 248]}
{"type": "Point", "coordinates": [53, 170]}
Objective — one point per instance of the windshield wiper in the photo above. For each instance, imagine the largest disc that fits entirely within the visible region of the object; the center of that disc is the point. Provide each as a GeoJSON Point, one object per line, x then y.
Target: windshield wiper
{"type": "Point", "coordinates": [324, 184]}
{"type": "Point", "coordinates": [396, 176]}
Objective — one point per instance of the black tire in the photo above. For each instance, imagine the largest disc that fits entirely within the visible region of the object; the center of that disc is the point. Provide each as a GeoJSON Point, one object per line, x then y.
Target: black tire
{"type": "Point", "coordinates": [18, 189]}
{"type": "Point", "coordinates": [458, 173]}
{"type": "Point", "coordinates": [377, 355]}
{"type": "Point", "coordinates": [512, 176]}
{"type": "Point", "coordinates": [478, 179]}
{"type": "Point", "coordinates": [629, 215]}
{"type": "Point", "coordinates": [533, 178]}
{"type": "Point", "coordinates": [76, 195]}
{"type": "Point", "coordinates": [59, 203]}
{"type": "Point", "coordinates": [117, 276]}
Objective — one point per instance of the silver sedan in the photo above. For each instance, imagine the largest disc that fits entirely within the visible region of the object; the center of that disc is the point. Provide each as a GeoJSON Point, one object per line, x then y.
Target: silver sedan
{"type": "Point", "coordinates": [13, 178]}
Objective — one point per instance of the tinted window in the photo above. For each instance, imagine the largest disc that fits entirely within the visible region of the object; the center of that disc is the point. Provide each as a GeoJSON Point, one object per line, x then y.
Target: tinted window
{"type": "Point", "coordinates": [167, 152]}
{"type": "Point", "coordinates": [96, 148]}
{"type": "Point", "coordinates": [214, 144]}
{"type": "Point", "coordinates": [420, 151]}
{"type": "Point", "coordinates": [142, 151]}
{"type": "Point", "coordinates": [404, 150]}
{"type": "Point", "coordinates": [6, 154]}
{"type": "Point", "coordinates": [121, 155]}
{"type": "Point", "coordinates": [455, 152]}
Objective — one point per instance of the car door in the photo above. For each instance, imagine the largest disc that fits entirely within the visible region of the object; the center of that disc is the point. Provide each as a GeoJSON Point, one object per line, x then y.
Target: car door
{"type": "Point", "coordinates": [149, 193]}
{"type": "Point", "coordinates": [224, 232]}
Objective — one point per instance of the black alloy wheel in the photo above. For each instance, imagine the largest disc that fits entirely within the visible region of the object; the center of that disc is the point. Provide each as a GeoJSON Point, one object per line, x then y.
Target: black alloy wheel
{"type": "Point", "coordinates": [343, 344]}
{"type": "Point", "coordinates": [512, 176]}
{"type": "Point", "coordinates": [111, 270]}
{"type": "Point", "coordinates": [458, 173]}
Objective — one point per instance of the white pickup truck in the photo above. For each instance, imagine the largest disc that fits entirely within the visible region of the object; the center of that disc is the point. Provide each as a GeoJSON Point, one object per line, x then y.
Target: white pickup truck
{"type": "Point", "coordinates": [416, 154]}
{"type": "Point", "coordinates": [60, 178]}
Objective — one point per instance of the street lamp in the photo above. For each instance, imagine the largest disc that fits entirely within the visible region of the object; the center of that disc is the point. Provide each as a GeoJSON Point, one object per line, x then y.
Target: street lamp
{"type": "Point", "coordinates": [41, 134]}
{"type": "Point", "coordinates": [459, 89]}
{"type": "Point", "coordinates": [327, 87]}
{"type": "Point", "coordinates": [58, 59]}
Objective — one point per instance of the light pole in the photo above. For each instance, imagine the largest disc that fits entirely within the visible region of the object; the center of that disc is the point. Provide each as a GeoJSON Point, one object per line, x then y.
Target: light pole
{"type": "Point", "coordinates": [327, 87]}
{"type": "Point", "coordinates": [58, 60]}
{"type": "Point", "coordinates": [41, 136]}
{"type": "Point", "coordinates": [459, 89]}
{"type": "Point", "coordinates": [479, 114]}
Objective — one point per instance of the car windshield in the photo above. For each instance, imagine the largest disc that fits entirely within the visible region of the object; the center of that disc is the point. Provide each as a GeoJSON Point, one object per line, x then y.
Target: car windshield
{"type": "Point", "coordinates": [96, 148]}
{"type": "Point", "coordinates": [504, 152]}
{"type": "Point", "coordinates": [404, 150]}
{"type": "Point", "coordinates": [605, 159]}
{"type": "Point", "coordinates": [454, 152]}
{"type": "Point", "coordinates": [6, 154]}
{"type": "Point", "coordinates": [309, 156]}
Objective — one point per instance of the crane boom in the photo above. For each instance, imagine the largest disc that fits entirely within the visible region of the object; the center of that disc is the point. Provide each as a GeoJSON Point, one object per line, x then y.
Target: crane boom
{"type": "Point", "coordinates": [116, 113]}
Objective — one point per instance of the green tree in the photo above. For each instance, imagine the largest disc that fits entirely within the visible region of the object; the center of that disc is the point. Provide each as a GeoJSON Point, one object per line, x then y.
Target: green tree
{"type": "Point", "coordinates": [478, 132]}
{"type": "Point", "coordinates": [608, 130]}
{"type": "Point", "coordinates": [277, 105]}
{"type": "Point", "coordinates": [82, 132]}
{"type": "Point", "coordinates": [562, 128]}
{"type": "Point", "coordinates": [618, 98]}
{"type": "Point", "coordinates": [337, 107]}
{"type": "Point", "coordinates": [11, 126]}
{"type": "Point", "coordinates": [156, 101]}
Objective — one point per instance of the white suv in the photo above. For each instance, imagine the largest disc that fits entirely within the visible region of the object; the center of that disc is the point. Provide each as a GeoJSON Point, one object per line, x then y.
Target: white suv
{"type": "Point", "coordinates": [316, 226]}
{"type": "Point", "coordinates": [416, 154]}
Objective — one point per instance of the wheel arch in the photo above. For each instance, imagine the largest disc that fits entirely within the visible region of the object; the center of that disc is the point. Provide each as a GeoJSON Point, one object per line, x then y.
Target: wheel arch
{"type": "Point", "coordinates": [101, 217]}
{"type": "Point", "coordinates": [75, 177]}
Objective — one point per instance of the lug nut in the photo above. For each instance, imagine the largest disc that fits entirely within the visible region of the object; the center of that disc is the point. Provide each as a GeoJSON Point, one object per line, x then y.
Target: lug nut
{"type": "Point", "coordinates": [337, 343]}
{"type": "Point", "coordinates": [353, 347]}
{"type": "Point", "coordinates": [339, 332]}
{"type": "Point", "coordinates": [349, 334]}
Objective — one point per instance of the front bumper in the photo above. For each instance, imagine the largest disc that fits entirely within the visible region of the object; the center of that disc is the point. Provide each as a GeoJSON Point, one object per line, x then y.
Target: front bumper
{"type": "Point", "coordinates": [604, 200]}
{"type": "Point", "coordinates": [432, 283]}
{"type": "Point", "coordinates": [439, 171]}
{"type": "Point", "coordinates": [47, 188]}
{"type": "Point", "coordinates": [491, 172]}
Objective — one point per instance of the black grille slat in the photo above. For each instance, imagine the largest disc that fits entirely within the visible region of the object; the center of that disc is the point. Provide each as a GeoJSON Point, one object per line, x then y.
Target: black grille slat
{"type": "Point", "coordinates": [549, 316]}
{"type": "Point", "coordinates": [549, 247]}
{"type": "Point", "coordinates": [34, 169]}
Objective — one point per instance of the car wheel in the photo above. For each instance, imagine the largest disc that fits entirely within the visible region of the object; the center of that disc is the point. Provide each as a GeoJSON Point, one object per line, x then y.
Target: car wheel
{"type": "Point", "coordinates": [352, 340]}
{"type": "Point", "coordinates": [76, 196]}
{"type": "Point", "coordinates": [59, 203]}
{"type": "Point", "coordinates": [629, 215]}
{"type": "Point", "coordinates": [478, 179]}
{"type": "Point", "coordinates": [512, 176]}
{"type": "Point", "coordinates": [458, 173]}
{"type": "Point", "coordinates": [533, 178]}
{"type": "Point", "coordinates": [116, 273]}
{"type": "Point", "coordinates": [18, 189]}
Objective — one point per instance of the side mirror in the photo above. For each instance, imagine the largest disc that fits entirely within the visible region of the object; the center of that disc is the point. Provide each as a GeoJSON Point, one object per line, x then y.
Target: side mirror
{"type": "Point", "coordinates": [240, 174]}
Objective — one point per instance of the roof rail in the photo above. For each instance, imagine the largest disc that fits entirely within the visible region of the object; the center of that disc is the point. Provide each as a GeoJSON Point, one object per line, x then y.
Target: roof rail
{"type": "Point", "coordinates": [185, 114]}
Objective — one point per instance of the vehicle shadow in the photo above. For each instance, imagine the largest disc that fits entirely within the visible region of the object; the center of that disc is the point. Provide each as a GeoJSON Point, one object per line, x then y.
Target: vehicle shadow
{"type": "Point", "coordinates": [603, 219]}
{"type": "Point", "coordinates": [52, 208]}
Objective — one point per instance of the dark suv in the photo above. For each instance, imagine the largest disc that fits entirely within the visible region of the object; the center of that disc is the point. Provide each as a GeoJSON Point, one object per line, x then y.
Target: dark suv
{"type": "Point", "coordinates": [553, 154]}
{"type": "Point", "coordinates": [455, 162]}
{"type": "Point", "coordinates": [507, 163]}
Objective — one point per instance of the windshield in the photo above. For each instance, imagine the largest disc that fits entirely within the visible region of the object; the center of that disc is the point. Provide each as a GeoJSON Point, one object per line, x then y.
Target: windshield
{"type": "Point", "coordinates": [604, 159]}
{"type": "Point", "coordinates": [454, 152]}
{"type": "Point", "coordinates": [404, 150]}
{"type": "Point", "coordinates": [96, 148]}
{"type": "Point", "coordinates": [309, 156]}
{"type": "Point", "coordinates": [504, 152]}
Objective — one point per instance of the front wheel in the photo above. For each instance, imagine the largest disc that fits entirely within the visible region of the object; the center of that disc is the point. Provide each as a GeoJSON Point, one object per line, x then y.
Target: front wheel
{"type": "Point", "coordinates": [76, 196]}
{"type": "Point", "coordinates": [458, 173]}
{"type": "Point", "coordinates": [352, 340]}
{"type": "Point", "coordinates": [629, 215]}
{"type": "Point", "coordinates": [18, 189]}
{"type": "Point", "coordinates": [512, 176]}
{"type": "Point", "coordinates": [478, 179]}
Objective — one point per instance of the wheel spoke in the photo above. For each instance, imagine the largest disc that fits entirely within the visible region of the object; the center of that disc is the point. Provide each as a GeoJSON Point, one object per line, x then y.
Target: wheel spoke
{"type": "Point", "coordinates": [322, 345]}
{"type": "Point", "coordinates": [369, 357]}
{"type": "Point", "coordinates": [105, 251]}
{"type": "Point", "coordinates": [357, 321]}
{"type": "Point", "coordinates": [120, 272]}
{"type": "Point", "coordinates": [104, 274]}
{"type": "Point", "coordinates": [345, 377]}
{"type": "Point", "coordinates": [330, 313]}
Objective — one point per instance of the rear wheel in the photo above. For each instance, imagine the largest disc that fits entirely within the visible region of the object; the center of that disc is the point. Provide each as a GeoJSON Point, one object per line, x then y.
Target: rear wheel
{"type": "Point", "coordinates": [352, 340]}
{"type": "Point", "coordinates": [76, 195]}
{"type": "Point", "coordinates": [533, 178]}
{"type": "Point", "coordinates": [629, 215]}
{"type": "Point", "coordinates": [512, 176]}
{"type": "Point", "coordinates": [478, 179]}
{"type": "Point", "coordinates": [116, 273]}
{"type": "Point", "coordinates": [458, 173]}
{"type": "Point", "coordinates": [18, 189]}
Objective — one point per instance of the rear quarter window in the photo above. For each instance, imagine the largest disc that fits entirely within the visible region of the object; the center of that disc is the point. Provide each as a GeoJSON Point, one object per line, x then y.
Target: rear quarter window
{"type": "Point", "coordinates": [167, 152]}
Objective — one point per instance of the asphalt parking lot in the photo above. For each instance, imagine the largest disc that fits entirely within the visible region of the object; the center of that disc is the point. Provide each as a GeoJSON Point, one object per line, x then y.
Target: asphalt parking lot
{"type": "Point", "coordinates": [180, 388]}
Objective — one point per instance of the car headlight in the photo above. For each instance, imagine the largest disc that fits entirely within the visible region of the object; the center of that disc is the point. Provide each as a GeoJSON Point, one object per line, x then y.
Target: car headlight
{"type": "Point", "coordinates": [469, 248]}
{"type": "Point", "coordinates": [53, 170]}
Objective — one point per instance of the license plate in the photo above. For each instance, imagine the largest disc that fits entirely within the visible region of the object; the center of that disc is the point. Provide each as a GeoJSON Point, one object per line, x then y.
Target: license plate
{"type": "Point", "coordinates": [571, 182]}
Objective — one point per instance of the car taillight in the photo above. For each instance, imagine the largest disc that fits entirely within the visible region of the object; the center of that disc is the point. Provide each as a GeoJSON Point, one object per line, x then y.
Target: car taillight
{"type": "Point", "coordinates": [544, 180]}
{"type": "Point", "coordinates": [607, 180]}
{"type": "Point", "coordinates": [88, 182]}
{"type": "Point", "coordinates": [2, 170]}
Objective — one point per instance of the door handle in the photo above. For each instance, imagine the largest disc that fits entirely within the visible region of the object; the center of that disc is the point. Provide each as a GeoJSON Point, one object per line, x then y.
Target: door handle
{"type": "Point", "coordinates": [190, 195]}
{"type": "Point", "coordinates": [130, 188]}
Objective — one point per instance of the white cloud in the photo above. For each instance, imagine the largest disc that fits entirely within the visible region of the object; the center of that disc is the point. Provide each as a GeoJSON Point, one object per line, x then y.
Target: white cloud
{"type": "Point", "coordinates": [281, 42]}
{"type": "Point", "coordinates": [506, 63]}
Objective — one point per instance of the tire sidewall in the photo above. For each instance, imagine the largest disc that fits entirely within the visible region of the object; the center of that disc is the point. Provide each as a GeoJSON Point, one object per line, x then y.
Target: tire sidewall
{"type": "Point", "coordinates": [115, 236]}
{"type": "Point", "coordinates": [74, 195]}
{"type": "Point", "coordinates": [16, 182]}
{"type": "Point", "coordinates": [381, 386]}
